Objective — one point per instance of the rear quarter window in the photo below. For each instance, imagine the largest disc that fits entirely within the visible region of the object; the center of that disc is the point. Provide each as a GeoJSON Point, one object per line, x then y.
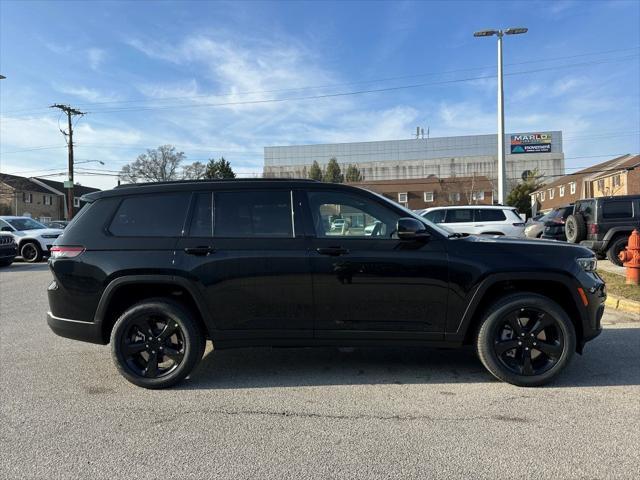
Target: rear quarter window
{"type": "Point", "coordinates": [153, 215]}
{"type": "Point", "coordinates": [490, 215]}
{"type": "Point", "coordinates": [617, 209]}
{"type": "Point", "coordinates": [459, 215]}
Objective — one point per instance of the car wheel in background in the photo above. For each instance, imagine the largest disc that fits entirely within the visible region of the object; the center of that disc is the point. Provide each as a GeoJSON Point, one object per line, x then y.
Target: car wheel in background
{"type": "Point", "coordinates": [615, 248]}
{"type": "Point", "coordinates": [526, 340]}
{"type": "Point", "coordinates": [575, 228]}
{"type": "Point", "coordinates": [31, 252]}
{"type": "Point", "coordinates": [156, 343]}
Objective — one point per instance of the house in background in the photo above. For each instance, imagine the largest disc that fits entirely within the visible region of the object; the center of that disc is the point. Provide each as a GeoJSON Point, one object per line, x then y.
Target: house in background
{"type": "Point", "coordinates": [38, 198]}
{"type": "Point", "coordinates": [619, 176]}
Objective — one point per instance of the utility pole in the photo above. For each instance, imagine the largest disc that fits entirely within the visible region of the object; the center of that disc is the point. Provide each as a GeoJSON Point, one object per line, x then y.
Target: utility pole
{"type": "Point", "coordinates": [69, 184]}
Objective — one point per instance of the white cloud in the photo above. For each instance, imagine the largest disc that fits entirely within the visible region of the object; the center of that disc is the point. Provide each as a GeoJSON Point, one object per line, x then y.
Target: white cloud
{"type": "Point", "coordinates": [96, 57]}
{"type": "Point", "coordinates": [88, 94]}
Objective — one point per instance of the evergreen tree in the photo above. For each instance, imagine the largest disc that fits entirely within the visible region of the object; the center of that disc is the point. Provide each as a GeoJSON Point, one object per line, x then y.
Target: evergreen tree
{"type": "Point", "coordinates": [353, 174]}
{"type": "Point", "coordinates": [520, 197]}
{"type": "Point", "coordinates": [333, 174]}
{"type": "Point", "coordinates": [219, 169]}
{"type": "Point", "coordinates": [315, 173]}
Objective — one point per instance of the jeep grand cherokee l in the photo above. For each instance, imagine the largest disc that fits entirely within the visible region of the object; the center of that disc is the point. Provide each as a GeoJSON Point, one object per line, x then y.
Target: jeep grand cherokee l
{"type": "Point", "coordinates": [159, 269]}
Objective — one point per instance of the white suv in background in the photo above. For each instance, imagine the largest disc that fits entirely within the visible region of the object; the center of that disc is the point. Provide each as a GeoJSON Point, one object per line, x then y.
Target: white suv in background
{"type": "Point", "coordinates": [33, 238]}
{"type": "Point", "coordinates": [478, 219]}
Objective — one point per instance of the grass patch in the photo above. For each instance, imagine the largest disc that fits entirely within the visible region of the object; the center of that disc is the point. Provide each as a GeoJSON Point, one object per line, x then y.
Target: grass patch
{"type": "Point", "coordinates": [617, 287]}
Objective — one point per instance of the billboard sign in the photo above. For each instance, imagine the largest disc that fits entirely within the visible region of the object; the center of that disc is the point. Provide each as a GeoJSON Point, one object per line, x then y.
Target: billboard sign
{"type": "Point", "coordinates": [531, 143]}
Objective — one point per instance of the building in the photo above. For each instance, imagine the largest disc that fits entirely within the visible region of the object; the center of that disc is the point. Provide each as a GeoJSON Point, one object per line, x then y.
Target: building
{"type": "Point", "coordinates": [434, 192]}
{"type": "Point", "coordinates": [443, 157]}
{"type": "Point", "coordinates": [619, 176]}
{"type": "Point", "coordinates": [39, 198]}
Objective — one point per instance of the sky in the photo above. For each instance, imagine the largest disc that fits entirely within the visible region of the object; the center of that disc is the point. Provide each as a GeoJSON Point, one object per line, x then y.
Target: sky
{"type": "Point", "coordinates": [229, 78]}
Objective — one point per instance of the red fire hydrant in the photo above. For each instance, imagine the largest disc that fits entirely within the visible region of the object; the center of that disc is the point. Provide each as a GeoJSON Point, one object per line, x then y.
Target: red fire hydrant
{"type": "Point", "coordinates": [631, 258]}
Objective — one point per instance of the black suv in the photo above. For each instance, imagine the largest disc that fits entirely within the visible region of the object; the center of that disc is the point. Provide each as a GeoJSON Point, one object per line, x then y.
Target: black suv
{"type": "Point", "coordinates": [158, 269]}
{"type": "Point", "coordinates": [604, 224]}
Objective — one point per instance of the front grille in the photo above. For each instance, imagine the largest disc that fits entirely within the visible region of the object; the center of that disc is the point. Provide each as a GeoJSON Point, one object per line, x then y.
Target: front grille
{"type": "Point", "coordinates": [6, 239]}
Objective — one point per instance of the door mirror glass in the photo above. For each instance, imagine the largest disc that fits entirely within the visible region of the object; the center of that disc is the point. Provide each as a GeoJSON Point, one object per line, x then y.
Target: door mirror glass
{"type": "Point", "coordinates": [411, 229]}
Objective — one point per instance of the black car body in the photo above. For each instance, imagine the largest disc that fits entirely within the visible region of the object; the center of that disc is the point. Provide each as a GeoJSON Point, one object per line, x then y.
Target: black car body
{"type": "Point", "coordinates": [254, 263]}
{"type": "Point", "coordinates": [8, 249]}
{"type": "Point", "coordinates": [604, 224]}
{"type": "Point", "coordinates": [554, 223]}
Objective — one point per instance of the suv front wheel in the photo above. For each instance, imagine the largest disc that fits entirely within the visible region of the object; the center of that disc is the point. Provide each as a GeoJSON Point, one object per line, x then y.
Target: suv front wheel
{"type": "Point", "coordinates": [156, 343]}
{"type": "Point", "coordinates": [526, 340]}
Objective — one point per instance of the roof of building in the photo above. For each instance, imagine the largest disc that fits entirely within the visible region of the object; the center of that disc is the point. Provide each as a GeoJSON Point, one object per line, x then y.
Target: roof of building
{"type": "Point", "coordinates": [599, 169]}
{"type": "Point", "coordinates": [78, 190]}
{"type": "Point", "coordinates": [479, 179]}
{"type": "Point", "coordinates": [22, 183]}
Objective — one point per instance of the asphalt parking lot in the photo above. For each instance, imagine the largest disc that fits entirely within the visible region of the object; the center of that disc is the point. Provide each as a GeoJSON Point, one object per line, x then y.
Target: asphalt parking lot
{"type": "Point", "coordinates": [307, 413]}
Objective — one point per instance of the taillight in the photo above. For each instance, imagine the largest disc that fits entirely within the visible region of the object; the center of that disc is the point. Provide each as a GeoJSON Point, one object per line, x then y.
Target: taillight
{"type": "Point", "coordinates": [65, 252]}
{"type": "Point", "coordinates": [593, 229]}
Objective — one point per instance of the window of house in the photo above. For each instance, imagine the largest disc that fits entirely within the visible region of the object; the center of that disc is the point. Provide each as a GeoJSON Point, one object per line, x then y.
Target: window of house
{"type": "Point", "coordinates": [27, 197]}
{"type": "Point", "coordinates": [428, 197]}
{"type": "Point", "coordinates": [47, 199]}
{"type": "Point", "coordinates": [402, 198]}
{"type": "Point", "coordinates": [45, 219]}
{"type": "Point", "coordinates": [552, 193]}
{"type": "Point", "coordinates": [156, 215]}
{"type": "Point", "coordinates": [572, 187]}
{"type": "Point", "coordinates": [561, 188]}
{"type": "Point", "coordinates": [244, 214]}
{"type": "Point", "coordinates": [477, 196]}
{"type": "Point", "coordinates": [76, 201]}
{"type": "Point", "coordinates": [616, 180]}
{"type": "Point", "coordinates": [601, 184]}
{"type": "Point", "coordinates": [454, 197]}
{"type": "Point", "coordinates": [542, 196]}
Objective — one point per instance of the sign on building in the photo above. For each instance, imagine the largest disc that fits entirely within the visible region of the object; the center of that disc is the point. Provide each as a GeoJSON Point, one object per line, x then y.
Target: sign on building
{"type": "Point", "coordinates": [531, 143]}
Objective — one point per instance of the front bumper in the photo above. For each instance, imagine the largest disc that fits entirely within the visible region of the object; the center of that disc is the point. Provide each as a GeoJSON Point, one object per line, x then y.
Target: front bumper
{"type": "Point", "coordinates": [8, 251]}
{"type": "Point", "coordinates": [596, 294]}
{"type": "Point", "coordinates": [75, 329]}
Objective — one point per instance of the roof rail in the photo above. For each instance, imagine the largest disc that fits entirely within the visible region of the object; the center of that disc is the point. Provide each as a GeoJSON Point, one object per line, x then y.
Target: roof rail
{"type": "Point", "coordinates": [207, 180]}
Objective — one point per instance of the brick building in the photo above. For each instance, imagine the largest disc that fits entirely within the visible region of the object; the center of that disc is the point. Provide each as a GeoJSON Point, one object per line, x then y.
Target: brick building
{"type": "Point", "coordinates": [418, 193]}
{"type": "Point", "coordinates": [619, 176]}
{"type": "Point", "coordinates": [39, 198]}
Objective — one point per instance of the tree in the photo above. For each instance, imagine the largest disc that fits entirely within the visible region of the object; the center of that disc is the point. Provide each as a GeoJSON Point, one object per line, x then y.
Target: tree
{"type": "Point", "coordinates": [520, 196]}
{"type": "Point", "coordinates": [195, 171]}
{"type": "Point", "coordinates": [158, 165]}
{"type": "Point", "coordinates": [219, 169]}
{"type": "Point", "coordinates": [333, 174]}
{"type": "Point", "coordinates": [353, 174]}
{"type": "Point", "coordinates": [315, 173]}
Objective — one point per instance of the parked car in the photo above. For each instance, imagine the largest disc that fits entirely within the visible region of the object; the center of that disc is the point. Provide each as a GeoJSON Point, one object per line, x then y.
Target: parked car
{"type": "Point", "coordinates": [338, 224]}
{"type": "Point", "coordinates": [158, 269]}
{"type": "Point", "coordinates": [62, 224]}
{"type": "Point", "coordinates": [33, 238]}
{"type": "Point", "coordinates": [554, 223]}
{"type": "Point", "coordinates": [534, 226]}
{"type": "Point", "coordinates": [8, 249]}
{"type": "Point", "coordinates": [604, 224]}
{"type": "Point", "coordinates": [478, 219]}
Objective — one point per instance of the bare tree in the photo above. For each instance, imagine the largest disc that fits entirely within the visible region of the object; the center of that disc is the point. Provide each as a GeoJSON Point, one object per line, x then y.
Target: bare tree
{"type": "Point", "coordinates": [157, 165]}
{"type": "Point", "coordinates": [195, 171]}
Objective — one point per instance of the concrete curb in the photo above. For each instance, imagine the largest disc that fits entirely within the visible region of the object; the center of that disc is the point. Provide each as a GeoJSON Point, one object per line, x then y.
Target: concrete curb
{"type": "Point", "coordinates": [623, 304]}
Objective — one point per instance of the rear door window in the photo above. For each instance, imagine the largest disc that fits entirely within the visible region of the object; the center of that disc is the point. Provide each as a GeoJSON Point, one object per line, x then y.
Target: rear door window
{"type": "Point", "coordinates": [153, 215]}
{"type": "Point", "coordinates": [459, 215]}
{"type": "Point", "coordinates": [243, 214]}
{"type": "Point", "coordinates": [436, 216]}
{"type": "Point", "coordinates": [614, 209]}
{"type": "Point", "coordinates": [489, 215]}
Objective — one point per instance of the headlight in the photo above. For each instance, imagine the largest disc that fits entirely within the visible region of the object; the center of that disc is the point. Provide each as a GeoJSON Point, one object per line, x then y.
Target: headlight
{"type": "Point", "coordinates": [589, 264]}
{"type": "Point", "coordinates": [51, 236]}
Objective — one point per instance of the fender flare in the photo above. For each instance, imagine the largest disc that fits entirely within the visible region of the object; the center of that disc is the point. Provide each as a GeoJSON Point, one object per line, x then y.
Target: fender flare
{"type": "Point", "coordinates": [613, 232]}
{"type": "Point", "coordinates": [182, 282]}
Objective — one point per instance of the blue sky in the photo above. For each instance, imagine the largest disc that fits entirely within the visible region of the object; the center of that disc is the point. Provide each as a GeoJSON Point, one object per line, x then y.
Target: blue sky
{"type": "Point", "coordinates": [186, 73]}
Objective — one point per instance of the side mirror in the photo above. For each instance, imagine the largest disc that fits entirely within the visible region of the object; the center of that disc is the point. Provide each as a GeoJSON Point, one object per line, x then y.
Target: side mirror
{"type": "Point", "coordinates": [411, 229]}
{"type": "Point", "coordinates": [6, 229]}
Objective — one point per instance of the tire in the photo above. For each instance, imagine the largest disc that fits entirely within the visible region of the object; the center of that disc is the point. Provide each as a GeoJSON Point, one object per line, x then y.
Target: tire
{"type": "Point", "coordinates": [184, 339]}
{"type": "Point", "coordinates": [558, 337]}
{"type": "Point", "coordinates": [615, 247]}
{"type": "Point", "coordinates": [31, 252]}
{"type": "Point", "coordinates": [575, 228]}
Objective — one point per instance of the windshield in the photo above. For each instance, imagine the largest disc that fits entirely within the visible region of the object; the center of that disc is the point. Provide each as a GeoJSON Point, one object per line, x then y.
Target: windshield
{"type": "Point", "coordinates": [410, 213]}
{"type": "Point", "coordinates": [24, 224]}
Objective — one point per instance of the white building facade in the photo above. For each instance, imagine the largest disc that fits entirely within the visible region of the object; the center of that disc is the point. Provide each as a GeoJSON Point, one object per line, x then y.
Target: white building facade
{"type": "Point", "coordinates": [443, 157]}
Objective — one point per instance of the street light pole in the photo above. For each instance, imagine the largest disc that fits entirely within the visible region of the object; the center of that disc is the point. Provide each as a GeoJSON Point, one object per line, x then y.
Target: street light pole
{"type": "Point", "coordinates": [502, 164]}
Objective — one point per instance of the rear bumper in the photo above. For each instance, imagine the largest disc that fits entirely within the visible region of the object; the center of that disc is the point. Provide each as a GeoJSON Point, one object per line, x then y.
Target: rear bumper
{"type": "Point", "coordinates": [75, 329]}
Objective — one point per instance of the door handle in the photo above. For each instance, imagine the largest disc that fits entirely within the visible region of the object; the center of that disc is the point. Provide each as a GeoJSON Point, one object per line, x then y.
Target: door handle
{"type": "Point", "coordinates": [333, 251]}
{"type": "Point", "coordinates": [199, 251]}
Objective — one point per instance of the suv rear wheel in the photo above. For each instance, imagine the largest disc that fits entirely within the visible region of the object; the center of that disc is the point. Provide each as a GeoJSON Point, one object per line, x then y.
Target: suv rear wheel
{"type": "Point", "coordinates": [156, 343]}
{"type": "Point", "coordinates": [575, 228]}
{"type": "Point", "coordinates": [526, 340]}
{"type": "Point", "coordinates": [616, 246]}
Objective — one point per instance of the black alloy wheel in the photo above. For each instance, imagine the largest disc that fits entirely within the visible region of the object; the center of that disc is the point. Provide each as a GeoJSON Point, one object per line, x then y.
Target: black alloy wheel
{"type": "Point", "coordinates": [30, 252]}
{"type": "Point", "coordinates": [157, 343]}
{"type": "Point", "coordinates": [526, 339]}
